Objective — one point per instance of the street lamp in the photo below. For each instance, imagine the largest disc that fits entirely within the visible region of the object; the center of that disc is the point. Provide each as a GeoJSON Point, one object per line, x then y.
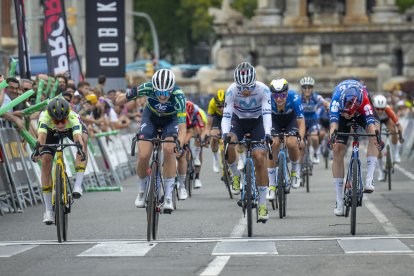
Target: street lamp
{"type": "Point", "coordinates": [153, 32]}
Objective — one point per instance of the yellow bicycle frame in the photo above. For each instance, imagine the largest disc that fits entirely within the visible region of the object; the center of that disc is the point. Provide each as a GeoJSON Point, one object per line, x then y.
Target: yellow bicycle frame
{"type": "Point", "coordinates": [61, 163]}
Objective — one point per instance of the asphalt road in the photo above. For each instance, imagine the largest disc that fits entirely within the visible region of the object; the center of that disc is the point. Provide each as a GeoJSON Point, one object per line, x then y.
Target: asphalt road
{"type": "Point", "coordinates": [207, 235]}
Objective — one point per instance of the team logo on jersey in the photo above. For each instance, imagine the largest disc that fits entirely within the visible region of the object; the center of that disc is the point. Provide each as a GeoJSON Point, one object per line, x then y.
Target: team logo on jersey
{"type": "Point", "coordinates": [245, 104]}
{"type": "Point", "coordinates": [161, 107]}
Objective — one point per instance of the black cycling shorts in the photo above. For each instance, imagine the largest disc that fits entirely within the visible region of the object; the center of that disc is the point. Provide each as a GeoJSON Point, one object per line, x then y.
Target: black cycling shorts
{"type": "Point", "coordinates": [150, 123]}
{"type": "Point", "coordinates": [240, 127]}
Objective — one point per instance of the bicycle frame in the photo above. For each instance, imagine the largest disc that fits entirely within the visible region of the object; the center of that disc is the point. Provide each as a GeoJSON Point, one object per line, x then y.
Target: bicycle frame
{"type": "Point", "coordinates": [354, 158]}
{"type": "Point", "coordinates": [61, 163]}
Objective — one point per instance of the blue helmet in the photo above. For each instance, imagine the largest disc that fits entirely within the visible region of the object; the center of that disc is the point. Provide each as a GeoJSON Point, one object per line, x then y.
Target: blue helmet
{"type": "Point", "coordinates": [351, 99]}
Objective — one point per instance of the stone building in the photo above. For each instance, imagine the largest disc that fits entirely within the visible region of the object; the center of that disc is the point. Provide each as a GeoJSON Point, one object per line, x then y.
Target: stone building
{"type": "Point", "coordinates": [328, 39]}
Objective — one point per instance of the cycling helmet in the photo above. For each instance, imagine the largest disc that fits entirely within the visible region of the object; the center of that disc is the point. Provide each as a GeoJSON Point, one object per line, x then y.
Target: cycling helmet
{"type": "Point", "coordinates": [163, 80]}
{"type": "Point", "coordinates": [279, 85]}
{"type": "Point", "coordinates": [245, 74]}
{"type": "Point", "coordinates": [58, 109]}
{"type": "Point", "coordinates": [219, 97]}
{"type": "Point", "coordinates": [92, 98]}
{"type": "Point", "coordinates": [189, 107]}
{"type": "Point", "coordinates": [307, 80]}
{"type": "Point", "coordinates": [380, 101]}
{"type": "Point", "coordinates": [351, 99]}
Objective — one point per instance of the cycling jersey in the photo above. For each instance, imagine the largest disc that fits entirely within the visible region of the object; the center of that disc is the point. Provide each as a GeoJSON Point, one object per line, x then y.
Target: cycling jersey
{"type": "Point", "coordinates": [213, 109]}
{"type": "Point", "coordinates": [253, 106]}
{"type": "Point", "coordinates": [174, 106]}
{"type": "Point", "coordinates": [46, 123]}
{"type": "Point", "coordinates": [293, 104]}
{"type": "Point", "coordinates": [365, 110]}
{"type": "Point", "coordinates": [388, 114]}
{"type": "Point", "coordinates": [310, 108]}
{"type": "Point", "coordinates": [197, 118]}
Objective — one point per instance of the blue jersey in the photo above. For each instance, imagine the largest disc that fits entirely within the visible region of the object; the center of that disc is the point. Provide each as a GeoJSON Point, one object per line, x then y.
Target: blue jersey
{"type": "Point", "coordinates": [310, 108]}
{"type": "Point", "coordinates": [293, 104]}
{"type": "Point", "coordinates": [323, 113]}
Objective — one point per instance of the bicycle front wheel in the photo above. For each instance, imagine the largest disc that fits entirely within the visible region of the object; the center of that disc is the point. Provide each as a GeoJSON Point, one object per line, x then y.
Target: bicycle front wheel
{"type": "Point", "coordinates": [354, 201]}
{"type": "Point", "coordinates": [59, 205]}
{"type": "Point", "coordinates": [151, 200]}
{"type": "Point", "coordinates": [66, 208]}
{"type": "Point", "coordinates": [248, 194]}
{"type": "Point", "coordinates": [227, 178]}
{"type": "Point", "coordinates": [388, 165]}
{"type": "Point", "coordinates": [281, 186]}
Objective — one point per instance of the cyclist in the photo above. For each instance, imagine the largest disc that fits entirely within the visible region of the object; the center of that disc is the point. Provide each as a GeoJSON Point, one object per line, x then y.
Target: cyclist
{"type": "Point", "coordinates": [58, 117]}
{"type": "Point", "coordinates": [350, 102]}
{"type": "Point", "coordinates": [287, 114]}
{"type": "Point", "coordinates": [194, 122]}
{"type": "Point", "coordinates": [213, 129]}
{"type": "Point", "coordinates": [310, 103]}
{"type": "Point", "coordinates": [323, 114]}
{"type": "Point", "coordinates": [165, 108]}
{"type": "Point", "coordinates": [247, 109]}
{"type": "Point", "coordinates": [387, 117]}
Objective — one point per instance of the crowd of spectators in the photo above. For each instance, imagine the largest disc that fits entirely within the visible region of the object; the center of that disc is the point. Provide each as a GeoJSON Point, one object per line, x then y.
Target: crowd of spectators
{"type": "Point", "coordinates": [95, 105]}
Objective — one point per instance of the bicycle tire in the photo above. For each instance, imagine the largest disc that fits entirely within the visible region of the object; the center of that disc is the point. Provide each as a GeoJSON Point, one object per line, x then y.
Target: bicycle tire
{"type": "Point", "coordinates": [59, 206]}
{"type": "Point", "coordinates": [66, 210]}
{"type": "Point", "coordinates": [175, 196]}
{"type": "Point", "coordinates": [151, 200]}
{"type": "Point", "coordinates": [354, 201]}
{"type": "Point", "coordinates": [388, 165]}
{"type": "Point", "coordinates": [188, 177]}
{"type": "Point", "coordinates": [156, 213]}
{"type": "Point", "coordinates": [326, 156]}
{"type": "Point", "coordinates": [227, 179]}
{"type": "Point", "coordinates": [281, 186]}
{"type": "Point", "coordinates": [248, 193]}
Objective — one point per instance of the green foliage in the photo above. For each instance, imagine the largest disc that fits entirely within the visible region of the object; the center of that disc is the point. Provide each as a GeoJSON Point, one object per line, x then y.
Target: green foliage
{"type": "Point", "coordinates": [246, 7]}
{"type": "Point", "coordinates": [180, 24]}
{"type": "Point", "coordinates": [403, 5]}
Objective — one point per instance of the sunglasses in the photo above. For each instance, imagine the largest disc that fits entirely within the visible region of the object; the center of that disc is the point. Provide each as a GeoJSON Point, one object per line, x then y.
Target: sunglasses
{"type": "Point", "coordinates": [57, 122]}
{"type": "Point", "coordinates": [162, 93]}
{"type": "Point", "coordinates": [246, 88]}
{"type": "Point", "coordinates": [380, 109]}
{"type": "Point", "coordinates": [279, 95]}
{"type": "Point", "coordinates": [307, 87]}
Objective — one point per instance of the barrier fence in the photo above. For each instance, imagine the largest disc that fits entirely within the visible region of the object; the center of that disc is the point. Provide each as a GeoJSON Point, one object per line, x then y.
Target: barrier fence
{"type": "Point", "coordinates": [109, 163]}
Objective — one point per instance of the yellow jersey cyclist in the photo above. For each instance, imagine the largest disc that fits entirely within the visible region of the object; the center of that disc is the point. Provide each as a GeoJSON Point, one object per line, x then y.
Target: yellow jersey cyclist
{"type": "Point", "coordinates": [165, 109]}
{"type": "Point", "coordinates": [213, 129]}
{"type": "Point", "coordinates": [287, 114]}
{"type": "Point", "coordinates": [247, 109]}
{"type": "Point", "coordinates": [58, 116]}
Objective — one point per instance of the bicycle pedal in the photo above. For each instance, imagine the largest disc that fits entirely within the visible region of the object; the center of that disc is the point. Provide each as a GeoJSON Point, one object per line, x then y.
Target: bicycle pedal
{"type": "Point", "coordinates": [240, 203]}
{"type": "Point", "coordinates": [262, 221]}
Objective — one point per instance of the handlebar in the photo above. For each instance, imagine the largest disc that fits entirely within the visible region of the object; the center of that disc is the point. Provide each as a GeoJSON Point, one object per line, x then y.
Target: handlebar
{"type": "Point", "coordinates": [227, 142]}
{"type": "Point", "coordinates": [153, 141]}
{"type": "Point", "coordinates": [356, 135]}
{"type": "Point", "coordinates": [56, 146]}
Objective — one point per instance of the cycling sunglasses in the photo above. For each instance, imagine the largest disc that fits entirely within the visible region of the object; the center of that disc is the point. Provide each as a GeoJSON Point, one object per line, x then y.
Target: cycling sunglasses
{"type": "Point", "coordinates": [307, 87]}
{"type": "Point", "coordinates": [162, 93]}
{"type": "Point", "coordinates": [380, 109]}
{"type": "Point", "coordinates": [280, 95]}
{"type": "Point", "coordinates": [246, 88]}
{"type": "Point", "coordinates": [57, 122]}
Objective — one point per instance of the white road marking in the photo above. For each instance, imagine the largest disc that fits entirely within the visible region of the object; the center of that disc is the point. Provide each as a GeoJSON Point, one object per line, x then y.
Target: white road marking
{"type": "Point", "coordinates": [215, 267]}
{"type": "Point", "coordinates": [386, 224]}
{"type": "Point", "coordinates": [111, 249]}
{"type": "Point", "coordinates": [8, 250]}
{"type": "Point", "coordinates": [404, 171]}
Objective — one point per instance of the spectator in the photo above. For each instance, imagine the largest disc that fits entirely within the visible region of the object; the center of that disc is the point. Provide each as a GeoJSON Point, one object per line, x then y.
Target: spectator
{"type": "Point", "coordinates": [84, 88]}
{"type": "Point", "coordinates": [100, 86]}
{"type": "Point", "coordinates": [111, 95]}
{"type": "Point", "coordinates": [26, 85]}
{"type": "Point", "coordinates": [11, 93]}
{"type": "Point", "coordinates": [76, 101]}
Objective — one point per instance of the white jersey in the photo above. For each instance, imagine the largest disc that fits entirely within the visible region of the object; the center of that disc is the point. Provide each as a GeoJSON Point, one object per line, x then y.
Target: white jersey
{"type": "Point", "coordinates": [257, 104]}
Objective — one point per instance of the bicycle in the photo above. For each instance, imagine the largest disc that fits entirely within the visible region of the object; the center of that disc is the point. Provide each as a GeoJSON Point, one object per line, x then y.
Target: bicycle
{"type": "Point", "coordinates": [325, 150]}
{"type": "Point", "coordinates": [283, 176]}
{"type": "Point", "coordinates": [61, 188]}
{"type": "Point", "coordinates": [153, 196]}
{"type": "Point", "coordinates": [389, 163]}
{"type": "Point", "coordinates": [307, 166]}
{"type": "Point", "coordinates": [353, 193]}
{"type": "Point", "coordinates": [249, 192]}
{"type": "Point", "coordinates": [191, 170]}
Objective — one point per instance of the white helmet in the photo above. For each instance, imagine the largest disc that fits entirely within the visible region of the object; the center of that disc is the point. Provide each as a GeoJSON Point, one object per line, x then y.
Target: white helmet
{"type": "Point", "coordinates": [245, 74]}
{"type": "Point", "coordinates": [380, 101]}
{"type": "Point", "coordinates": [279, 85]}
{"type": "Point", "coordinates": [307, 80]}
{"type": "Point", "coordinates": [163, 80]}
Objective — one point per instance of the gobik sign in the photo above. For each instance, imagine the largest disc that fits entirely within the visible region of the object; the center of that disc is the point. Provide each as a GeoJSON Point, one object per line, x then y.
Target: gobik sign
{"type": "Point", "coordinates": [105, 39]}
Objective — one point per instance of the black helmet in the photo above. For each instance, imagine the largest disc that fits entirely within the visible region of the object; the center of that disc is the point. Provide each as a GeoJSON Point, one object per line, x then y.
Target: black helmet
{"type": "Point", "coordinates": [58, 108]}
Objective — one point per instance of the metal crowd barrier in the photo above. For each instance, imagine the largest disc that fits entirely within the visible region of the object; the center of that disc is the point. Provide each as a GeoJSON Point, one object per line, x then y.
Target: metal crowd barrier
{"type": "Point", "coordinates": [109, 162]}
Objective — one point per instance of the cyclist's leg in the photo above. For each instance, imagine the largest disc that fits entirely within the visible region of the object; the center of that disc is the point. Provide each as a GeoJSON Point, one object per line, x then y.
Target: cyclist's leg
{"type": "Point", "coordinates": [215, 149]}
{"type": "Point", "coordinates": [338, 169]}
{"type": "Point", "coordinates": [47, 155]}
{"type": "Point", "coordinates": [372, 155]}
{"type": "Point", "coordinates": [236, 134]}
{"type": "Point", "coordinates": [394, 141]}
{"type": "Point", "coordinates": [182, 167]}
{"type": "Point", "coordinates": [80, 165]}
{"type": "Point", "coordinates": [272, 169]}
{"type": "Point", "coordinates": [197, 146]}
{"type": "Point", "coordinates": [314, 142]}
{"type": "Point", "coordinates": [380, 165]}
{"type": "Point", "coordinates": [241, 154]}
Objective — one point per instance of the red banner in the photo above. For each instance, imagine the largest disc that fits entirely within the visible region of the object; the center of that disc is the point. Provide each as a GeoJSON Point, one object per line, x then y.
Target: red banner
{"type": "Point", "coordinates": [55, 37]}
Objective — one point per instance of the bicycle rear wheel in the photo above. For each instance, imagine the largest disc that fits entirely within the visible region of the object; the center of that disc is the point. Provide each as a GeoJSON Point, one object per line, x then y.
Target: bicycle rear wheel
{"type": "Point", "coordinates": [354, 202]}
{"type": "Point", "coordinates": [189, 178]}
{"type": "Point", "coordinates": [59, 204]}
{"type": "Point", "coordinates": [67, 207]}
{"type": "Point", "coordinates": [227, 178]}
{"type": "Point", "coordinates": [151, 200]}
{"type": "Point", "coordinates": [248, 194]}
{"type": "Point", "coordinates": [388, 165]}
{"type": "Point", "coordinates": [281, 186]}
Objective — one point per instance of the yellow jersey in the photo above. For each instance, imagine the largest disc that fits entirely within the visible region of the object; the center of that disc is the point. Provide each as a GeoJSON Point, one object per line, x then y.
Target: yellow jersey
{"type": "Point", "coordinates": [213, 109]}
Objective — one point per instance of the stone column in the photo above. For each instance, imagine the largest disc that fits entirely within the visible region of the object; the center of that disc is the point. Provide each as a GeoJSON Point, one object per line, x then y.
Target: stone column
{"type": "Point", "coordinates": [356, 12]}
{"type": "Point", "coordinates": [385, 11]}
{"type": "Point", "coordinates": [296, 13]}
{"type": "Point", "coordinates": [268, 13]}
